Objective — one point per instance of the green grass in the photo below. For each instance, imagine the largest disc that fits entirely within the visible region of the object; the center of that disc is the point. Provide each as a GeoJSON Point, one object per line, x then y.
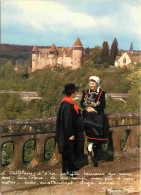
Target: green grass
{"type": "Point", "coordinates": [29, 149]}
{"type": "Point", "coordinates": [49, 148]}
{"type": "Point", "coordinates": [7, 153]}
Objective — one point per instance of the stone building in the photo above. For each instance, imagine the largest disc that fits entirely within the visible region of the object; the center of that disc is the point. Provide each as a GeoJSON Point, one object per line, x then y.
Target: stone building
{"type": "Point", "coordinates": [58, 56]}
{"type": "Point", "coordinates": [126, 59]}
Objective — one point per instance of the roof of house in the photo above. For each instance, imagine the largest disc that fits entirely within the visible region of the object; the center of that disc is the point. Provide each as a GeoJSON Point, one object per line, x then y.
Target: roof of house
{"type": "Point", "coordinates": [18, 66]}
{"type": "Point", "coordinates": [132, 58]}
{"type": "Point", "coordinates": [78, 43]}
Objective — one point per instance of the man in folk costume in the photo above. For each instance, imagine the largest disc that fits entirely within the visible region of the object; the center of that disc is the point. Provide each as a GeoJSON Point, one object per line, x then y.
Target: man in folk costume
{"type": "Point", "coordinates": [94, 120]}
{"type": "Point", "coordinates": [67, 127]}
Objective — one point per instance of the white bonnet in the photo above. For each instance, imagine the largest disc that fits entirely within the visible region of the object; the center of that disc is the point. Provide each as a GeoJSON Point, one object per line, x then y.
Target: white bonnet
{"type": "Point", "coordinates": [96, 79]}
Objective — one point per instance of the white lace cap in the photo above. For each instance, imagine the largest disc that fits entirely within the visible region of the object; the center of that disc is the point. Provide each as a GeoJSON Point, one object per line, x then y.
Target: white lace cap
{"type": "Point", "coordinates": [96, 79]}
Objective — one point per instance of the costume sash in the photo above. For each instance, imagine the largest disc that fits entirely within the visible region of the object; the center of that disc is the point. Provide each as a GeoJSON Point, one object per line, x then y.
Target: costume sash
{"type": "Point", "coordinates": [69, 100]}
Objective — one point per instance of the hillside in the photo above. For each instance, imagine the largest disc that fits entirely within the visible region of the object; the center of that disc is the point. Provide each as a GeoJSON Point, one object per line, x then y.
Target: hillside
{"type": "Point", "coordinates": [11, 50]}
{"type": "Point", "coordinates": [8, 49]}
{"type": "Point", "coordinates": [18, 54]}
{"type": "Point", "coordinates": [49, 83]}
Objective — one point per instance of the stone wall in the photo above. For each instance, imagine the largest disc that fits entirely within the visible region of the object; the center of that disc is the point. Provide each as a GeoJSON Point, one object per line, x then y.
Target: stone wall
{"type": "Point", "coordinates": [20, 131]}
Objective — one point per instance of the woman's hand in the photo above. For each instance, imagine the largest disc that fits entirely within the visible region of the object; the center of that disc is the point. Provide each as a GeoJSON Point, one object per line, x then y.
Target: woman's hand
{"type": "Point", "coordinates": [90, 109]}
{"type": "Point", "coordinates": [71, 138]}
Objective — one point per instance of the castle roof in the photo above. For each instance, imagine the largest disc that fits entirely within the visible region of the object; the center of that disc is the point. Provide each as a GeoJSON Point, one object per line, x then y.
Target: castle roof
{"type": "Point", "coordinates": [68, 51]}
{"type": "Point", "coordinates": [78, 43]}
{"type": "Point", "coordinates": [53, 48]}
{"type": "Point", "coordinates": [35, 48]}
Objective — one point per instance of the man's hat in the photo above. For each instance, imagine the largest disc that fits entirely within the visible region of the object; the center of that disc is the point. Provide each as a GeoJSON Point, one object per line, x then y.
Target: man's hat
{"type": "Point", "coordinates": [70, 88]}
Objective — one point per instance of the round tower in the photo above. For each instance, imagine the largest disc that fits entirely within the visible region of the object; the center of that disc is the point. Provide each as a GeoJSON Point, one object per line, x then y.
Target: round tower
{"type": "Point", "coordinates": [53, 54]}
{"type": "Point", "coordinates": [35, 54]}
{"type": "Point", "coordinates": [77, 54]}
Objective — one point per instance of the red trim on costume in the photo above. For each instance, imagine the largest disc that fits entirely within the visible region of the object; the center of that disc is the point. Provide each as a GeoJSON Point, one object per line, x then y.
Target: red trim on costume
{"type": "Point", "coordinates": [69, 100]}
{"type": "Point", "coordinates": [95, 138]}
{"type": "Point", "coordinates": [86, 93]}
{"type": "Point", "coordinates": [99, 96]}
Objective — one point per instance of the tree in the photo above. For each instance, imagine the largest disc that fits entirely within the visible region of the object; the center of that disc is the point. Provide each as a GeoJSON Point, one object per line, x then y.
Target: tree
{"type": "Point", "coordinates": [12, 107]}
{"type": "Point", "coordinates": [23, 72]}
{"type": "Point", "coordinates": [7, 71]}
{"type": "Point", "coordinates": [105, 52]}
{"type": "Point", "coordinates": [96, 55]}
{"type": "Point", "coordinates": [113, 52]}
{"type": "Point", "coordinates": [87, 53]}
{"type": "Point", "coordinates": [114, 106]}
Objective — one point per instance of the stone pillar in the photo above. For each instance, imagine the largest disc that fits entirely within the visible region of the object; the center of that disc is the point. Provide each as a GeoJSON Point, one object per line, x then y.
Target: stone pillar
{"type": "Point", "coordinates": [17, 161]}
{"type": "Point", "coordinates": [131, 144]}
{"type": "Point", "coordinates": [116, 136]}
{"type": "Point", "coordinates": [40, 146]}
{"type": "Point", "coordinates": [56, 158]}
{"type": "Point", "coordinates": [39, 149]}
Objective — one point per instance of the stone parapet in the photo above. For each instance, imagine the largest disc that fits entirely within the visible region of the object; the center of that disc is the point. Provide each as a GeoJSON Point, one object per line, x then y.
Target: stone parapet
{"type": "Point", "coordinates": [20, 131]}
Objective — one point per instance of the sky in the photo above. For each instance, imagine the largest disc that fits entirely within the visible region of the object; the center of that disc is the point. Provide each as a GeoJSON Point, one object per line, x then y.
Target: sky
{"type": "Point", "coordinates": [44, 22]}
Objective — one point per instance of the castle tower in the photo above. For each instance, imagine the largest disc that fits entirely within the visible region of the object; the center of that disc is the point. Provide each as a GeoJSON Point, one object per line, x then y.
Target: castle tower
{"type": "Point", "coordinates": [35, 54]}
{"type": "Point", "coordinates": [53, 54]}
{"type": "Point", "coordinates": [77, 54]}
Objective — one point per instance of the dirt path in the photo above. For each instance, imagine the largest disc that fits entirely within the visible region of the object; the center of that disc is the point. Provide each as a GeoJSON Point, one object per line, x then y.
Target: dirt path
{"type": "Point", "coordinates": [122, 173]}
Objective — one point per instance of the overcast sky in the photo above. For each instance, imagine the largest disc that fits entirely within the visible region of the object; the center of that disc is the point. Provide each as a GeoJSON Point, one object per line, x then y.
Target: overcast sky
{"type": "Point", "coordinates": [43, 22]}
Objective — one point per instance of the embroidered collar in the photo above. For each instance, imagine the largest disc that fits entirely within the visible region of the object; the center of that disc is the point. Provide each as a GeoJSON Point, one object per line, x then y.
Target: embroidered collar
{"type": "Point", "coordinates": [94, 92]}
{"type": "Point", "coordinates": [69, 100]}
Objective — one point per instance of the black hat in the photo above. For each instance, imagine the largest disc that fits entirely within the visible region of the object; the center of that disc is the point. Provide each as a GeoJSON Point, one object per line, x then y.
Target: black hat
{"type": "Point", "coordinates": [70, 88]}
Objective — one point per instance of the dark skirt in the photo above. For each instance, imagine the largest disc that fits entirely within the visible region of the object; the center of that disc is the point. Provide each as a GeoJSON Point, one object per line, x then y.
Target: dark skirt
{"type": "Point", "coordinates": [96, 126]}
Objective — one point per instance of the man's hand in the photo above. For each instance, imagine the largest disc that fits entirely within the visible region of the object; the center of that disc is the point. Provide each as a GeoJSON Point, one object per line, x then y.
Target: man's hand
{"type": "Point", "coordinates": [71, 138]}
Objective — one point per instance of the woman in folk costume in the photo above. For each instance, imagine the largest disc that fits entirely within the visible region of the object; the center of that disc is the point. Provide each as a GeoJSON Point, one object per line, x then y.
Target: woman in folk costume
{"type": "Point", "coordinates": [67, 129]}
{"type": "Point", "coordinates": [94, 120]}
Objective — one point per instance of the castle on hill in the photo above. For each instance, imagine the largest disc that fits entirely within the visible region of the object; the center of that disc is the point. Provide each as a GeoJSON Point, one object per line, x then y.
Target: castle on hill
{"type": "Point", "coordinates": [58, 56]}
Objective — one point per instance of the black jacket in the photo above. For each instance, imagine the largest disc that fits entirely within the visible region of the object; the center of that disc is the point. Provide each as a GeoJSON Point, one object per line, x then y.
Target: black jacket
{"type": "Point", "coordinates": [95, 123]}
{"type": "Point", "coordinates": [68, 123]}
{"type": "Point", "coordinates": [101, 106]}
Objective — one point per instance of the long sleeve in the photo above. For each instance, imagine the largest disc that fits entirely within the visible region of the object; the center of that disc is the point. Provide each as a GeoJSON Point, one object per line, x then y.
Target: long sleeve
{"type": "Point", "coordinates": [101, 107]}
